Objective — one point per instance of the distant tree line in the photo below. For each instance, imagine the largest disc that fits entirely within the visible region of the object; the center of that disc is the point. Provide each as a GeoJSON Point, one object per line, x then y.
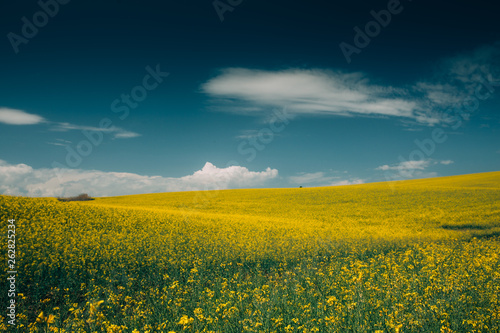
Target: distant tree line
{"type": "Point", "coordinates": [81, 197]}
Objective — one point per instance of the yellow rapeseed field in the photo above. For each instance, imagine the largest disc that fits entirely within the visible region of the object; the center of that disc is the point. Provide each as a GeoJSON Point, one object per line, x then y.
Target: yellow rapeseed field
{"type": "Point", "coordinates": [409, 256]}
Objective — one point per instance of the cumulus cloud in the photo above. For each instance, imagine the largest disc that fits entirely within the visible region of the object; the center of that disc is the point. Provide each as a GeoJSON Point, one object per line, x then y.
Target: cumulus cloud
{"type": "Point", "coordinates": [21, 179]}
{"type": "Point", "coordinates": [18, 117]}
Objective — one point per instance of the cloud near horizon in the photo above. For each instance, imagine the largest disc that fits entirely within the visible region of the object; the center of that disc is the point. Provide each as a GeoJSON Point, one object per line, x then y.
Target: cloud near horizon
{"type": "Point", "coordinates": [413, 165]}
{"type": "Point", "coordinates": [322, 179]}
{"type": "Point", "coordinates": [411, 169]}
{"type": "Point", "coordinates": [22, 179]}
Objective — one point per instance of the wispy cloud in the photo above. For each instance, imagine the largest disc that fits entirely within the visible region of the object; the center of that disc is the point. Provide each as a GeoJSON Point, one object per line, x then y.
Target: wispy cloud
{"type": "Point", "coordinates": [247, 134]}
{"type": "Point", "coordinates": [18, 117]}
{"type": "Point", "coordinates": [339, 93]}
{"type": "Point", "coordinates": [412, 169]}
{"type": "Point", "coordinates": [474, 66]}
{"type": "Point", "coordinates": [11, 116]}
{"type": "Point", "coordinates": [60, 142]}
{"type": "Point", "coordinates": [308, 178]}
{"type": "Point", "coordinates": [413, 165]}
{"type": "Point", "coordinates": [406, 166]}
{"type": "Point", "coordinates": [347, 182]}
{"type": "Point", "coordinates": [117, 132]}
{"type": "Point", "coordinates": [307, 92]}
{"type": "Point", "coordinates": [322, 179]}
{"type": "Point", "coordinates": [457, 78]}
{"type": "Point", "coordinates": [123, 134]}
{"type": "Point", "coordinates": [252, 133]}
{"type": "Point", "coordinates": [22, 179]}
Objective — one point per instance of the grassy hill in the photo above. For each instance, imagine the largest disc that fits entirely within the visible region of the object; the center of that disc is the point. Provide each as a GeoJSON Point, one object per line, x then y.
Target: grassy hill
{"type": "Point", "coordinates": [407, 256]}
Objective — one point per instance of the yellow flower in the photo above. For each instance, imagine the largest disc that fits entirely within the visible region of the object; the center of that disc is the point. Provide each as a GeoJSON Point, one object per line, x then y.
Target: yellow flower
{"type": "Point", "coordinates": [50, 319]}
{"type": "Point", "coordinates": [185, 320]}
{"type": "Point", "coordinates": [40, 318]}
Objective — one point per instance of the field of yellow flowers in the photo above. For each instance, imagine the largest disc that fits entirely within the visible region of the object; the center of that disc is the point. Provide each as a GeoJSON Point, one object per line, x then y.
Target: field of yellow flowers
{"type": "Point", "coordinates": [409, 256]}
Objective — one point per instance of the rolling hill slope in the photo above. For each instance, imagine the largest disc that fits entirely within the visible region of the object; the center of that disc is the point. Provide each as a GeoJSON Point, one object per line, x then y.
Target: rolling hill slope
{"type": "Point", "coordinates": [410, 256]}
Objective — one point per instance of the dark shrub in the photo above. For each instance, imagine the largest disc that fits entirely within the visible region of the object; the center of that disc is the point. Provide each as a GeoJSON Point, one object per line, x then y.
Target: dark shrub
{"type": "Point", "coordinates": [81, 197]}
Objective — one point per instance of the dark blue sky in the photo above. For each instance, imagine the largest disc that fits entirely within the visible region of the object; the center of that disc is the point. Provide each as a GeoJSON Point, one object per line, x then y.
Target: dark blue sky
{"type": "Point", "coordinates": [346, 121]}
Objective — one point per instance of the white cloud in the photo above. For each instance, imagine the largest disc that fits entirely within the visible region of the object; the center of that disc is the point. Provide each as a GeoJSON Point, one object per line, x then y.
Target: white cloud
{"type": "Point", "coordinates": [406, 166]}
{"type": "Point", "coordinates": [60, 142]}
{"type": "Point", "coordinates": [324, 92]}
{"type": "Point", "coordinates": [211, 177]}
{"type": "Point", "coordinates": [21, 179]}
{"type": "Point", "coordinates": [321, 179]}
{"type": "Point", "coordinates": [18, 117]}
{"type": "Point", "coordinates": [413, 165]}
{"type": "Point", "coordinates": [308, 92]}
{"type": "Point", "coordinates": [348, 182]}
{"type": "Point", "coordinates": [439, 93]}
{"type": "Point", "coordinates": [411, 169]}
{"type": "Point", "coordinates": [123, 134]}
{"type": "Point", "coordinates": [117, 132]}
{"type": "Point", "coordinates": [248, 134]}
{"type": "Point", "coordinates": [308, 178]}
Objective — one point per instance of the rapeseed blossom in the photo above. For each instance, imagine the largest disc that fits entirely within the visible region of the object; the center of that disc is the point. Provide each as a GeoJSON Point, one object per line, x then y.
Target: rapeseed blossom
{"type": "Point", "coordinates": [421, 255]}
